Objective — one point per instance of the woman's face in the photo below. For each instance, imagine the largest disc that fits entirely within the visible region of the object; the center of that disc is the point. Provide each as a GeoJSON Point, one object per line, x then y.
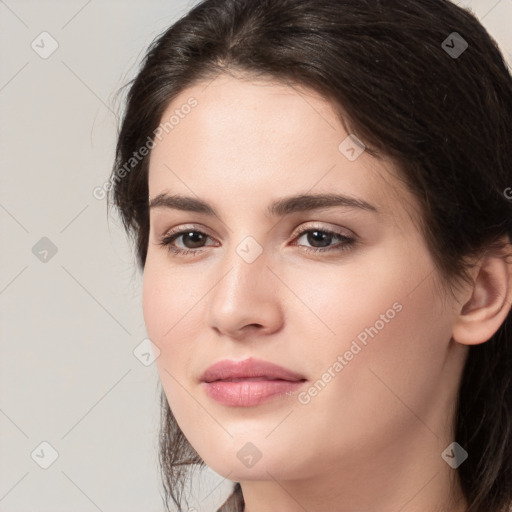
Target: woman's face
{"type": "Point", "coordinates": [362, 322]}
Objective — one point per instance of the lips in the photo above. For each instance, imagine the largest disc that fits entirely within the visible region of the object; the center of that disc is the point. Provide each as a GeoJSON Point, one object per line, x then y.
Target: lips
{"type": "Point", "coordinates": [247, 370]}
{"type": "Point", "coordinates": [249, 382]}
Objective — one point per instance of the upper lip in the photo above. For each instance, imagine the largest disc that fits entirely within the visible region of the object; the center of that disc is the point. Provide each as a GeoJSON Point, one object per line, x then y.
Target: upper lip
{"type": "Point", "coordinates": [251, 367]}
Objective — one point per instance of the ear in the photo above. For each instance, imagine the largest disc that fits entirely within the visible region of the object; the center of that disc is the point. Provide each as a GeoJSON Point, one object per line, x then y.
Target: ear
{"type": "Point", "coordinates": [490, 300]}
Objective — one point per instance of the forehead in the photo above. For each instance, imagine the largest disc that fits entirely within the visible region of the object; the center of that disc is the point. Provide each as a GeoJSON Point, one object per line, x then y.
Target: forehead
{"type": "Point", "coordinates": [245, 141]}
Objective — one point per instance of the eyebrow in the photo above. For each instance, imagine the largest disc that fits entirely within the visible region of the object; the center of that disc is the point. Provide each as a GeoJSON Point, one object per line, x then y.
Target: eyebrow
{"type": "Point", "coordinates": [280, 207]}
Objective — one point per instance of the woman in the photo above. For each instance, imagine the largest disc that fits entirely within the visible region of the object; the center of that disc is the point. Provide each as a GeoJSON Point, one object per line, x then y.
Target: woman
{"type": "Point", "coordinates": [316, 193]}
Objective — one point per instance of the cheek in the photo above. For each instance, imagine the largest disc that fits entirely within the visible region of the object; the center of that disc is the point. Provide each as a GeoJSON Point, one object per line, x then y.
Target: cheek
{"type": "Point", "coordinates": [366, 395]}
{"type": "Point", "coordinates": [172, 311]}
{"type": "Point", "coordinates": [165, 299]}
{"type": "Point", "coordinates": [381, 315]}
{"type": "Point", "coordinates": [390, 338]}
{"type": "Point", "coordinates": [358, 300]}
{"type": "Point", "coordinates": [154, 302]}
{"type": "Point", "coordinates": [165, 308]}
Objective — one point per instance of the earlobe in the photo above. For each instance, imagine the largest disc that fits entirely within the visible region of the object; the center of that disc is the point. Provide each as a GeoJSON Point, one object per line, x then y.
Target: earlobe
{"type": "Point", "coordinates": [489, 303]}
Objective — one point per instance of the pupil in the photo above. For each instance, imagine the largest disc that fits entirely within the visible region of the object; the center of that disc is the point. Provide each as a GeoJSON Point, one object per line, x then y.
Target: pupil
{"type": "Point", "coordinates": [193, 234]}
{"type": "Point", "coordinates": [323, 237]}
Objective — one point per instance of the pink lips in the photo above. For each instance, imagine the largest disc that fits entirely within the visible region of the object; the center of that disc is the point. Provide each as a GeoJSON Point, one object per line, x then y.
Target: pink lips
{"type": "Point", "coordinates": [248, 382]}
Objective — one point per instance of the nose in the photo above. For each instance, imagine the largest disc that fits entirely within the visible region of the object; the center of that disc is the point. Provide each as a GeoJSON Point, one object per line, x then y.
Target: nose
{"type": "Point", "coordinates": [245, 299]}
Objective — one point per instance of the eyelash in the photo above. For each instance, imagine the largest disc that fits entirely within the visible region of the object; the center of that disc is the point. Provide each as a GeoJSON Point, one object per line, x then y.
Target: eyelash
{"type": "Point", "coordinates": [169, 238]}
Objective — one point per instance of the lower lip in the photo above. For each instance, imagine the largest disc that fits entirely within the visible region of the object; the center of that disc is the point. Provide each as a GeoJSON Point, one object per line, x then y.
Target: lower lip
{"type": "Point", "coordinates": [249, 392]}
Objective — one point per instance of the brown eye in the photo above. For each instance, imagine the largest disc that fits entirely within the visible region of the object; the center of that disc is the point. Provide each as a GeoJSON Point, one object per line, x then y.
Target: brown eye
{"type": "Point", "coordinates": [321, 240]}
{"type": "Point", "coordinates": [192, 239]}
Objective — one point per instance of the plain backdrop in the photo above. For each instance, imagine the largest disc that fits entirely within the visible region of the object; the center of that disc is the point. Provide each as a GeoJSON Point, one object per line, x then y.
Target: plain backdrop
{"type": "Point", "coordinates": [74, 396]}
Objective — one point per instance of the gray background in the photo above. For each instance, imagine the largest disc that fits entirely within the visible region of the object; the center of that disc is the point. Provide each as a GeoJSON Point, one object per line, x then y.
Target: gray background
{"type": "Point", "coordinates": [70, 321]}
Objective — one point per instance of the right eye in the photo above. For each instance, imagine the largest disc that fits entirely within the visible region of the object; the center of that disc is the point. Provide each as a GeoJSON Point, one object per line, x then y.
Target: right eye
{"type": "Point", "coordinates": [192, 235]}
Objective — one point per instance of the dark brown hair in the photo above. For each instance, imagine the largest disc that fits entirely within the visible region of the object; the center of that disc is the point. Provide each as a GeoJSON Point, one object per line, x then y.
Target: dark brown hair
{"type": "Point", "coordinates": [410, 89]}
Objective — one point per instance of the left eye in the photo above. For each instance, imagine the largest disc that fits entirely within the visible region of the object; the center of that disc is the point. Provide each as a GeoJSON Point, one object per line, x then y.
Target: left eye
{"type": "Point", "coordinates": [322, 236]}
{"type": "Point", "coordinates": [313, 236]}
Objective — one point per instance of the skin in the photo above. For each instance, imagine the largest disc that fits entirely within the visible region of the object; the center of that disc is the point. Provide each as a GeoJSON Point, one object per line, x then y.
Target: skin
{"type": "Point", "coordinates": [372, 438]}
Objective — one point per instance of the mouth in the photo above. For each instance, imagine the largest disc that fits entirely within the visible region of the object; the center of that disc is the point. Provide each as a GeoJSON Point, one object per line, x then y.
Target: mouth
{"type": "Point", "coordinates": [249, 382]}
